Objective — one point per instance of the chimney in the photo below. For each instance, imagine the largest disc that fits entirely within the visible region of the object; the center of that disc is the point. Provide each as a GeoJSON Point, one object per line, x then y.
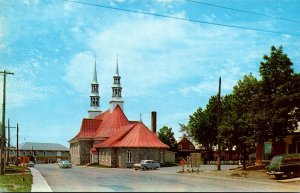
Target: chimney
{"type": "Point", "coordinates": [153, 121]}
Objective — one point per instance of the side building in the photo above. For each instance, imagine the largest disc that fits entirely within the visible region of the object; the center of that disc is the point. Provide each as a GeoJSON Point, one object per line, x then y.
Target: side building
{"type": "Point", "coordinates": [44, 152]}
{"type": "Point", "coordinates": [109, 138]}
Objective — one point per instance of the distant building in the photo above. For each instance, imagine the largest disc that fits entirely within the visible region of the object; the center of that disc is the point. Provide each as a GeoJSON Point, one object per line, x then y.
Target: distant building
{"type": "Point", "coordinates": [44, 152]}
{"type": "Point", "coordinates": [109, 138]}
{"type": "Point", "coordinates": [184, 147]}
{"type": "Point", "coordinates": [290, 144]}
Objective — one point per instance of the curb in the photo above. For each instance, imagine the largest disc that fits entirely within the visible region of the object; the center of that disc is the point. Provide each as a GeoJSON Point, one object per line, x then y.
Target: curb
{"type": "Point", "coordinates": [289, 180]}
{"type": "Point", "coordinates": [39, 184]}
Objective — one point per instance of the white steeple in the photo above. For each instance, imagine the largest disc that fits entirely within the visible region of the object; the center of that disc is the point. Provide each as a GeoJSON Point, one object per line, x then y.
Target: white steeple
{"type": "Point", "coordinates": [116, 91]}
{"type": "Point", "coordinates": [94, 97]}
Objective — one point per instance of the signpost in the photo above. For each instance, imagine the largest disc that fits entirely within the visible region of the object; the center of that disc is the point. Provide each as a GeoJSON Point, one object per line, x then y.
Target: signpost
{"type": "Point", "coordinates": [182, 162]}
{"type": "Point", "coordinates": [189, 162]}
{"type": "Point", "coordinates": [195, 161]}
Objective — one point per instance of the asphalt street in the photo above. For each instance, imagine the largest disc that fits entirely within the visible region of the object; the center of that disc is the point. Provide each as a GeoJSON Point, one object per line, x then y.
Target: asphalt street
{"type": "Point", "coordinates": [83, 179]}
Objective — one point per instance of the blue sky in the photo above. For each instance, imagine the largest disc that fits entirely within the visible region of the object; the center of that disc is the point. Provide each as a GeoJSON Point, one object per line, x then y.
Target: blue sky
{"type": "Point", "coordinates": [167, 65]}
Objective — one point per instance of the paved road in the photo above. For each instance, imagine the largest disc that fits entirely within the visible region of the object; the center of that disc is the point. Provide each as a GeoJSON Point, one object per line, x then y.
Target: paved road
{"type": "Point", "coordinates": [164, 179]}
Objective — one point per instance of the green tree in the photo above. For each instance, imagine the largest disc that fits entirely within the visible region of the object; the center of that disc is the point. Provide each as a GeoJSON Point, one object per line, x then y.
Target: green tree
{"type": "Point", "coordinates": [278, 96]}
{"type": "Point", "coordinates": [202, 125]}
{"type": "Point", "coordinates": [166, 135]}
{"type": "Point", "coordinates": [244, 97]}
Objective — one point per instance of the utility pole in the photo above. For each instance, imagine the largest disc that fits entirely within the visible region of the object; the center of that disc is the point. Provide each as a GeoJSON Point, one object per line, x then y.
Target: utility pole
{"type": "Point", "coordinates": [17, 161]}
{"type": "Point", "coordinates": [218, 123]}
{"type": "Point", "coordinates": [8, 142]}
{"type": "Point", "coordinates": [3, 122]}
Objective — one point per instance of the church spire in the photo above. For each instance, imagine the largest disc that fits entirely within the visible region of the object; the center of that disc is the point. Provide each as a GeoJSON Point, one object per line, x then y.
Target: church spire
{"type": "Point", "coordinates": [94, 97]}
{"type": "Point", "coordinates": [116, 91]}
{"type": "Point", "coordinates": [95, 74]}
{"type": "Point", "coordinates": [117, 69]}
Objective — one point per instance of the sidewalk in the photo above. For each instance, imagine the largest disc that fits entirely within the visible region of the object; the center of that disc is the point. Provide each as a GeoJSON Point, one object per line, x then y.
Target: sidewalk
{"type": "Point", "coordinates": [39, 183]}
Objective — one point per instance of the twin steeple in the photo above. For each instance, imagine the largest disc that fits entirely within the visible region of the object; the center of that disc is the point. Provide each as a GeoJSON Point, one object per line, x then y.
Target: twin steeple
{"type": "Point", "coordinates": [116, 91]}
{"type": "Point", "coordinates": [95, 98]}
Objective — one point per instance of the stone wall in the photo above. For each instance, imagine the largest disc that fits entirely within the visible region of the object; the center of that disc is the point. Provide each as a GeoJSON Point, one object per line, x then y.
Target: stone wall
{"type": "Point", "coordinates": [138, 154]}
{"type": "Point", "coordinates": [119, 158]}
{"type": "Point", "coordinates": [105, 156]}
{"type": "Point", "coordinates": [74, 152]}
{"type": "Point", "coordinates": [84, 151]}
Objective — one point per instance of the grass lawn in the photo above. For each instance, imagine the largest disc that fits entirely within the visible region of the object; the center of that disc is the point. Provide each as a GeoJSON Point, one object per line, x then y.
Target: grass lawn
{"type": "Point", "coordinates": [12, 181]}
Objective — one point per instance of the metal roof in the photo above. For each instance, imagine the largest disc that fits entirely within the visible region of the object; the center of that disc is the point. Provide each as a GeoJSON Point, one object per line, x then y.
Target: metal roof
{"type": "Point", "coordinates": [133, 135]}
{"type": "Point", "coordinates": [43, 146]}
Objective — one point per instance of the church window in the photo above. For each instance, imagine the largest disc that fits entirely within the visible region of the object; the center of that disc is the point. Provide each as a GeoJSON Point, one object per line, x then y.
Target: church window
{"type": "Point", "coordinates": [106, 155]}
{"type": "Point", "coordinates": [179, 146]}
{"type": "Point", "coordinates": [129, 156]}
{"type": "Point", "coordinates": [103, 156]}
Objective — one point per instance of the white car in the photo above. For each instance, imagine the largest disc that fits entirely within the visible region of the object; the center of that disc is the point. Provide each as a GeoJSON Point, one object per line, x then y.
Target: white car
{"type": "Point", "coordinates": [146, 164]}
{"type": "Point", "coordinates": [65, 164]}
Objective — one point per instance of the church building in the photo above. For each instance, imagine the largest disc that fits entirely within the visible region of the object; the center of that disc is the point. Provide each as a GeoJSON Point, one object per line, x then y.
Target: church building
{"type": "Point", "coordinates": [109, 138]}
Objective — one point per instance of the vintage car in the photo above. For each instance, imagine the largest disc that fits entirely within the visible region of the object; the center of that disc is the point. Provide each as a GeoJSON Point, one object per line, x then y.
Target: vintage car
{"type": "Point", "coordinates": [30, 164]}
{"type": "Point", "coordinates": [287, 164]}
{"type": "Point", "coordinates": [65, 164]}
{"type": "Point", "coordinates": [146, 164]}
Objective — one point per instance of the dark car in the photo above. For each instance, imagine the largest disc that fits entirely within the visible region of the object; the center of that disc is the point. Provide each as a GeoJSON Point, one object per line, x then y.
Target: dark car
{"type": "Point", "coordinates": [287, 164]}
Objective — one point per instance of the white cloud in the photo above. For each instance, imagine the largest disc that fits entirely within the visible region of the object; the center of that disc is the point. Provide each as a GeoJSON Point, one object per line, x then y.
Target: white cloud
{"type": "Point", "coordinates": [23, 87]}
{"type": "Point", "coordinates": [79, 71]}
{"type": "Point", "coordinates": [154, 52]}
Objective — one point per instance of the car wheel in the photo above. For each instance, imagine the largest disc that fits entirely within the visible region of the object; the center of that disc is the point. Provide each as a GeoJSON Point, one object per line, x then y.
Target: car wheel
{"type": "Point", "coordinates": [278, 176]}
{"type": "Point", "coordinates": [144, 168]}
{"type": "Point", "coordinates": [290, 174]}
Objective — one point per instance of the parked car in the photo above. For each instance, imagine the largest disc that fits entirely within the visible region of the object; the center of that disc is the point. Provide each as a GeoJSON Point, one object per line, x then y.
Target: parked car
{"type": "Point", "coordinates": [30, 164]}
{"type": "Point", "coordinates": [65, 164]}
{"type": "Point", "coordinates": [287, 164]}
{"type": "Point", "coordinates": [146, 164]}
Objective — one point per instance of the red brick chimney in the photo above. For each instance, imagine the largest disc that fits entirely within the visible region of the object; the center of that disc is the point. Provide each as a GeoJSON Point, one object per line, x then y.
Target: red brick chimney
{"type": "Point", "coordinates": [153, 121]}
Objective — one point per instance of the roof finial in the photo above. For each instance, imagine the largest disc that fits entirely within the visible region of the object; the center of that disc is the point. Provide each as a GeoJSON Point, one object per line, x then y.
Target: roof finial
{"type": "Point", "coordinates": [140, 117]}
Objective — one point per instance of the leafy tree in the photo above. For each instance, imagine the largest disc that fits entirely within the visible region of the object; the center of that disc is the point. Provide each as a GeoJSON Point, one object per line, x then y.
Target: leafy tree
{"type": "Point", "coordinates": [244, 97]}
{"type": "Point", "coordinates": [279, 96]}
{"type": "Point", "coordinates": [202, 125]}
{"type": "Point", "coordinates": [166, 135]}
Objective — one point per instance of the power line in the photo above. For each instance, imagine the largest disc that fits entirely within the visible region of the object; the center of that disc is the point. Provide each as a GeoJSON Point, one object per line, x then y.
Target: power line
{"type": "Point", "coordinates": [243, 11]}
{"type": "Point", "coordinates": [183, 19]}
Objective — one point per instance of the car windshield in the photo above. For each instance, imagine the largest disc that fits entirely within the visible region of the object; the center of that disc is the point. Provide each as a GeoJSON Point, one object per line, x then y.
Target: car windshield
{"type": "Point", "coordinates": [65, 162]}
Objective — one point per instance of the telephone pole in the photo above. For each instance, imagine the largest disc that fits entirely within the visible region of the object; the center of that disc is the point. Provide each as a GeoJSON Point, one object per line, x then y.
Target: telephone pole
{"type": "Point", "coordinates": [3, 123]}
{"type": "Point", "coordinates": [8, 141]}
{"type": "Point", "coordinates": [218, 123]}
{"type": "Point", "coordinates": [17, 161]}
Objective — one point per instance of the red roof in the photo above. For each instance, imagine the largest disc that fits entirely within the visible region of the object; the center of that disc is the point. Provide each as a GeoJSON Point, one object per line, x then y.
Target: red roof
{"type": "Point", "coordinates": [103, 115]}
{"type": "Point", "coordinates": [111, 122]}
{"type": "Point", "coordinates": [134, 135]}
{"type": "Point", "coordinates": [119, 131]}
{"type": "Point", "coordinates": [88, 128]}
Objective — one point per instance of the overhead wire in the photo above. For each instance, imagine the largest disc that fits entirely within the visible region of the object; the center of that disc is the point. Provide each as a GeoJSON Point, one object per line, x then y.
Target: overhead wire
{"type": "Point", "coordinates": [183, 19]}
{"type": "Point", "coordinates": [243, 11]}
